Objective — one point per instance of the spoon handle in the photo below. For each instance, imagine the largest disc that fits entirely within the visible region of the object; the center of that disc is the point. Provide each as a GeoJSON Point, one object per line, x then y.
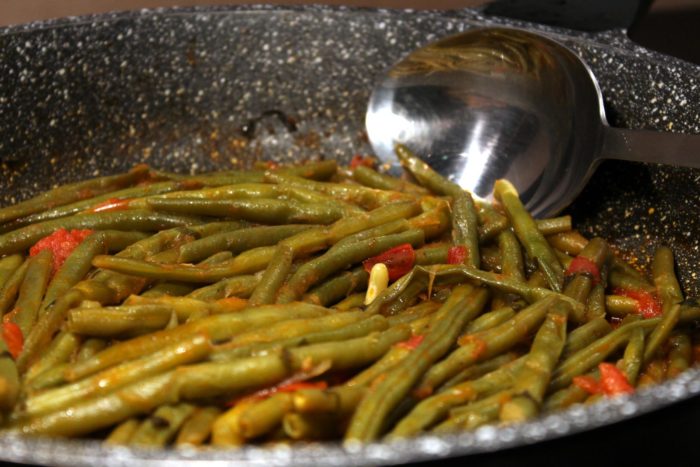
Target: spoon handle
{"type": "Point", "coordinates": [651, 146]}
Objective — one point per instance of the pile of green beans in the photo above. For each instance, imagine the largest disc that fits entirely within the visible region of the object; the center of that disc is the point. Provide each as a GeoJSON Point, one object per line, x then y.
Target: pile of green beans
{"type": "Point", "coordinates": [229, 308]}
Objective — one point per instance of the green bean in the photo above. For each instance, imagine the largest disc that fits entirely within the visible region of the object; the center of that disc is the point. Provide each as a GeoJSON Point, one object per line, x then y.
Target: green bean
{"type": "Point", "coordinates": [241, 374]}
{"type": "Point", "coordinates": [486, 344]}
{"type": "Point", "coordinates": [72, 192]}
{"type": "Point", "coordinates": [267, 211]}
{"type": "Point", "coordinates": [621, 306]}
{"type": "Point", "coordinates": [621, 280]}
{"type": "Point", "coordinates": [89, 348]}
{"type": "Point", "coordinates": [491, 222]}
{"type": "Point", "coordinates": [79, 262]}
{"type": "Point", "coordinates": [118, 321]}
{"type": "Point", "coordinates": [373, 179]}
{"type": "Point", "coordinates": [579, 283]}
{"type": "Point", "coordinates": [435, 219]}
{"type": "Point", "coordinates": [8, 293]}
{"type": "Point", "coordinates": [595, 304]}
{"type": "Point", "coordinates": [123, 432]}
{"type": "Point", "coordinates": [364, 197]}
{"type": "Point", "coordinates": [262, 417]}
{"type": "Point", "coordinates": [665, 281]}
{"type": "Point", "coordinates": [659, 335]}
{"type": "Point", "coordinates": [339, 287]}
{"type": "Point", "coordinates": [356, 300]}
{"type": "Point", "coordinates": [588, 357]}
{"type": "Point", "coordinates": [224, 430]}
{"type": "Point", "coordinates": [8, 266]}
{"type": "Point", "coordinates": [190, 350]}
{"type": "Point", "coordinates": [239, 286]}
{"type": "Point", "coordinates": [464, 213]}
{"type": "Point", "coordinates": [633, 356]}
{"type": "Point", "coordinates": [293, 328]}
{"type": "Point", "coordinates": [273, 278]}
{"type": "Point", "coordinates": [679, 354]}
{"type": "Point", "coordinates": [474, 415]}
{"type": "Point", "coordinates": [49, 378]}
{"type": "Point", "coordinates": [465, 226]}
{"type": "Point", "coordinates": [433, 409]}
{"type": "Point", "coordinates": [196, 429]}
{"type": "Point", "coordinates": [140, 220]}
{"type": "Point", "coordinates": [532, 380]}
{"type": "Point", "coordinates": [257, 258]}
{"type": "Point", "coordinates": [568, 396]}
{"type": "Point", "coordinates": [324, 332]}
{"type": "Point", "coordinates": [63, 346]}
{"type": "Point", "coordinates": [301, 426]}
{"type": "Point", "coordinates": [114, 200]}
{"type": "Point", "coordinates": [342, 257]}
{"type": "Point", "coordinates": [425, 175]}
{"type": "Point", "coordinates": [370, 417]}
{"type": "Point", "coordinates": [217, 327]}
{"type": "Point", "coordinates": [554, 225]}
{"type": "Point", "coordinates": [9, 379]}
{"type": "Point", "coordinates": [89, 415]}
{"type": "Point", "coordinates": [432, 255]}
{"type": "Point", "coordinates": [339, 400]}
{"type": "Point", "coordinates": [32, 290]}
{"type": "Point", "coordinates": [389, 228]}
{"type": "Point", "coordinates": [526, 229]}
{"type": "Point", "coordinates": [161, 426]}
{"type": "Point", "coordinates": [478, 370]}
{"type": "Point", "coordinates": [585, 335]}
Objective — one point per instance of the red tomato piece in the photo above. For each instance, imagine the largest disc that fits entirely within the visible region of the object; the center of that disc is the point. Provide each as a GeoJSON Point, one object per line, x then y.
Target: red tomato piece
{"type": "Point", "coordinates": [398, 260]}
{"type": "Point", "coordinates": [581, 265]}
{"type": "Point", "coordinates": [359, 159]}
{"type": "Point", "coordinates": [457, 254]}
{"type": "Point", "coordinates": [13, 337]}
{"type": "Point", "coordinates": [61, 243]}
{"type": "Point", "coordinates": [613, 381]}
{"type": "Point", "coordinates": [648, 304]}
{"type": "Point", "coordinates": [588, 384]}
{"type": "Point", "coordinates": [412, 342]}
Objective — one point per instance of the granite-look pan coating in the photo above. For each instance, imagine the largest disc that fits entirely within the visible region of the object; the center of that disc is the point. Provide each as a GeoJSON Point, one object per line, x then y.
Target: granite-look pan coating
{"type": "Point", "coordinates": [178, 89]}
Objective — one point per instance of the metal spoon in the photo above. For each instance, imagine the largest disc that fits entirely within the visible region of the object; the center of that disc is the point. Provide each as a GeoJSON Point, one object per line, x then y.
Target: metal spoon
{"type": "Point", "coordinates": [506, 103]}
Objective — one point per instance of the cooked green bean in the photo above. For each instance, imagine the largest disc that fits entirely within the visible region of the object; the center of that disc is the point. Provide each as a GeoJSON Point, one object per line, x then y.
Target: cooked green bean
{"type": "Point", "coordinates": [273, 278]}
{"type": "Point", "coordinates": [197, 428]}
{"type": "Point", "coordinates": [72, 192]}
{"type": "Point", "coordinates": [535, 303]}
{"type": "Point", "coordinates": [161, 426]}
{"type": "Point", "coordinates": [532, 239]}
{"type": "Point", "coordinates": [32, 291]}
{"type": "Point", "coordinates": [369, 419]}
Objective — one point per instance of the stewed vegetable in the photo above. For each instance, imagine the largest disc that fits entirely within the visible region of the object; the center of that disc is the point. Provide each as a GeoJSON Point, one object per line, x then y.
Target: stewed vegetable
{"type": "Point", "coordinates": [314, 302]}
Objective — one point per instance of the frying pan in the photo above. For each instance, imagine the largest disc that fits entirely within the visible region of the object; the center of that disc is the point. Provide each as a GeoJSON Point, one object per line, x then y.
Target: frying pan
{"type": "Point", "coordinates": [179, 89]}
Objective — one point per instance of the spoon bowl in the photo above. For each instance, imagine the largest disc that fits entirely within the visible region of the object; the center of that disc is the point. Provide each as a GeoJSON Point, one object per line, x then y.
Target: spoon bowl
{"type": "Point", "coordinates": [507, 103]}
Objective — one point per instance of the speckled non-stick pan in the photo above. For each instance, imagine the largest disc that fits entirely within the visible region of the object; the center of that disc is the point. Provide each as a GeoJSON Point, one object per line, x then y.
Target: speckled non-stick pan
{"type": "Point", "coordinates": [178, 89]}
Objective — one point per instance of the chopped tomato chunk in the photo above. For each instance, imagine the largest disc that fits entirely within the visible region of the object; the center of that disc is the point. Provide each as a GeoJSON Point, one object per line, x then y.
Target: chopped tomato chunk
{"type": "Point", "coordinates": [61, 243]}
{"type": "Point", "coordinates": [648, 304]}
{"type": "Point", "coordinates": [359, 159]}
{"type": "Point", "coordinates": [398, 260]}
{"type": "Point", "coordinates": [412, 342]}
{"type": "Point", "coordinates": [613, 381]}
{"type": "Point", "coordinates": [457, 254]}
{"type": "Point", "coordinates": [581, 265]}
{"type": "Point", "coordinates": [13, 337]}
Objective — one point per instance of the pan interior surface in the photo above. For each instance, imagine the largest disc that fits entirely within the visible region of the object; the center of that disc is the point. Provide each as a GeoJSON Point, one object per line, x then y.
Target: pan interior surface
{"type": "Point", "coordinates": [201, 89]}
